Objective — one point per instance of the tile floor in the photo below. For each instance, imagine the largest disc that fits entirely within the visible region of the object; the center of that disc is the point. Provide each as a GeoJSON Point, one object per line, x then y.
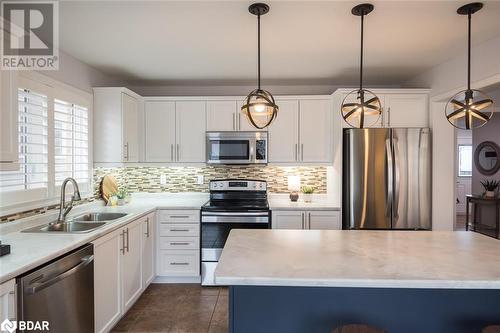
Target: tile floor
{"type": "Point", "coordinates": [180, 308]}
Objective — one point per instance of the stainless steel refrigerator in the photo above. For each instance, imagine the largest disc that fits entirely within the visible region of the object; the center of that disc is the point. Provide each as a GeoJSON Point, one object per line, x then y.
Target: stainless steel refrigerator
{"type": "Point", "coordinates": [386, 178]}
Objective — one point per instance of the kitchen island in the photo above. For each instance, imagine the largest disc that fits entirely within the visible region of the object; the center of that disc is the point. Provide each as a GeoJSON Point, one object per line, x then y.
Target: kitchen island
{"type": "Point", "coordinates": [399, 281]}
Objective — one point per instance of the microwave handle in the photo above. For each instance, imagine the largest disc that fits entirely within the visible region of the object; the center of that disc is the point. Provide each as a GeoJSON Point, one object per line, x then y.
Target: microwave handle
{"type": "Point", "coordinates": [251, 154]}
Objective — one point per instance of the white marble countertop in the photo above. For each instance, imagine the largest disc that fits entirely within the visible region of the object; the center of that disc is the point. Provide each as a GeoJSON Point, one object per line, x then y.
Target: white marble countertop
{"type": "Point", "coordinates": [319, 202]}
{"type": "Point", "coordinates": [378, 259]}
{"type": "Point", "coordinates": [29, 250]}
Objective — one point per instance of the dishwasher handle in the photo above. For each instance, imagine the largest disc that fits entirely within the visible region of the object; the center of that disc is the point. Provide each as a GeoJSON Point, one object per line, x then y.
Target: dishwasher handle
{"type": "Point", "coordinates": [42, 285]}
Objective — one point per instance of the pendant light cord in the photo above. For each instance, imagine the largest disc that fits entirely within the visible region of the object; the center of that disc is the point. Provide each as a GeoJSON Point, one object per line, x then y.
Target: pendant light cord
{"type": "Point", "coordinates": [361, 58]}
{"type": "Point", "coordinates": [469, 49]}
{"type": "Point", "coordinates": [258, 50]}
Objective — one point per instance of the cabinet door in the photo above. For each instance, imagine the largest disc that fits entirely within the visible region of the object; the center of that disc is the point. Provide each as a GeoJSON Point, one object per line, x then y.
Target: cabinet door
{"type": "Point", "coordinates": [283, 219]}
{"type": "Point", "coordinates": [406, 110]}
{"type": "Point", "coordinates": [315, 135]}
{"type": "Point", "coordinates": [221, 116]}
{"type": "Point", "coordinates": [131, 268]}
{"type": "Point", "coordinates": [107, 280]}
{"type": "Point", "coordinates": [159, 131]}
{"type": "Point", "coordinates": [9, 142]}
{"type": "Point", "coordinates": [323, 220]}
{"type": "Point", "coordinates": [8, 301]}
{"type": "Point", "coordinates": [148, 236]}
{"type": "Point", "coordinates": [243, 123]}
{"type": "Point", "coordinates": [130, 110]}
{"type": "Point", "coordinates": [284, 133]}
{"type": "Point", "coordinates": [191, 123]}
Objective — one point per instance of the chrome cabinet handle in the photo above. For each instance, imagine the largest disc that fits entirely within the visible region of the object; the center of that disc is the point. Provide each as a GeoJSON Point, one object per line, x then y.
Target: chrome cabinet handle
{"type": "Point", "coordinates": [179, 230]}
{"type": "Point", "coordinates": [147, 227]}
{"type": "Point", "coordinates": [179, 243]}
{"type": "Point", "coordinates": [179, 216]}
{"type": "Point", "coordinates": [303, 218]}
{"type": "Point", "coordinates": [126, 151]}
{"type": "Point", "coordinates": [128, 244]}
{"type": "Point", "coordinates": [171, 151]}
{"type": "Point", "coordinates": [179, 263]}
{"type": "Point", "coordinates": [296, 151]}
{"type": "Point", "coordinates": [122, 250]}
{"type": "Point", "coordinates": [178, 153]}
{"type": "Point", "coordinates": [234, 122]}
{"type": "Point", "coordinates": [389, 116]}
{"type": "Point", "coordinates": [238, 121]}
{"type": "Point", "coordinates": [309, 221]}
{"type": "Point", "coordinates": [302, 152]}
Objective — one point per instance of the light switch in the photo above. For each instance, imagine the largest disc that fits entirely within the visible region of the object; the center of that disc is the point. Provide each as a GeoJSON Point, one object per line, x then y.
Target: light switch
{"type": "Point", "coordinates": [163, 179]}
{"type": "Point", "coordinates": [200, 179]}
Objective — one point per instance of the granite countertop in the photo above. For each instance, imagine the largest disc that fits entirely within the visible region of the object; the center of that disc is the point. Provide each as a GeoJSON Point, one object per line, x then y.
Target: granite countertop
{"type": "Point", "coordinates": [29, 250]}
{"type": "Point", "coordinates": [343, 258]}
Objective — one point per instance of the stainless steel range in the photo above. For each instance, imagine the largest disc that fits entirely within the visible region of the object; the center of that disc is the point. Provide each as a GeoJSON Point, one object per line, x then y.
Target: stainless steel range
{"type": "Point", "coordinates": [234, 204]}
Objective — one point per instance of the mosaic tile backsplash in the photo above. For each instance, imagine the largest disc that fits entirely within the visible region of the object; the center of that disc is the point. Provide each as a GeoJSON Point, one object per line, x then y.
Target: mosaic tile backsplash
{"type": "Point", "coordinates": [183, 179]}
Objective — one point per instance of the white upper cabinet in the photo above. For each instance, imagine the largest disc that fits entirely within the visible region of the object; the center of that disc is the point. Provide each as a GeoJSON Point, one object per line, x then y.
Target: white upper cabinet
{"type": "Point", "coordinates": [243, 123]}
{"type": "Point", "coordinates": [9, 142]}
{"type": "Point", "coordinates": [315, 131]}
{"type": "Point", "coordinates": [406, 110]}
{"type": "Point", "coordinates": [160, 131]}
{"type": "Point", "coordinates": [190, 134]}
{"type": "Point", "coordinates": [284, 133]}
{"type": "Point", "coordinates": [130, 111]}
{"type": "Point", "coordinates": [222, 116]}
{"type": "Point", "coordinates": [116, 132]}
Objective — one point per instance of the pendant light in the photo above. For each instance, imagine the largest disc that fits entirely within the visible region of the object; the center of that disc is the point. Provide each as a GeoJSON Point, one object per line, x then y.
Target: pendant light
{"type": "Point", "coordinates": [469, 108]}
{"type": "Point", "coordinates": [259, 107]}
{"type": "Point", "coordinates": [361, 108]}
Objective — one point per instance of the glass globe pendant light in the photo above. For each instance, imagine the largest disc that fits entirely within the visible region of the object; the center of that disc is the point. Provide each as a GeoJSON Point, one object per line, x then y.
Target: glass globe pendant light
{"type": "Point", "coordinates": [469, 108]}
{"type": "Point", "coordinates": [259, 107]}
{"type": "Point", "coordinates": [361, 108]}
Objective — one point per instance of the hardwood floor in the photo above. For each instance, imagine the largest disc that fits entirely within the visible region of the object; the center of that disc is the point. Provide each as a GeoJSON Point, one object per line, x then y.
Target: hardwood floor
{"type": "Point", "coordinates": [180, 308]}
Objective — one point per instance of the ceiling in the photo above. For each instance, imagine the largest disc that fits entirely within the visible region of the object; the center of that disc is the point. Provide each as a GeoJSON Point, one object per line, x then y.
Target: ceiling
{"type": "Point", "coordinates": [214, 42]}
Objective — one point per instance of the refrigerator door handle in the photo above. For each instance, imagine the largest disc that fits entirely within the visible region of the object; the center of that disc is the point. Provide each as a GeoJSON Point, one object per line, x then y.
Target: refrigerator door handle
{"type": "Point", "coordinates": [397, 179]}
{"type": "Point", "coordinates": [390, 177]}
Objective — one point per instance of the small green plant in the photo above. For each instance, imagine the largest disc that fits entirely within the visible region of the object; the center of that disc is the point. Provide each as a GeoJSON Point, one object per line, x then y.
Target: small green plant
{"type": "Point", "coordinates": [122, 193]}
{"type": "Point", "coordinates": [490, 185]}
{"type": "Point", "coordinates": [306, 189]}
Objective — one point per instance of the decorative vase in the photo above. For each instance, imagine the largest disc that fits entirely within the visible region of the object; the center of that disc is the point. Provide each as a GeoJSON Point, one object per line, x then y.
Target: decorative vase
{"type": "Point", "coordinates": [294, 196]}
{"type": "Point", "coordinates": [490, 194]}
{"type": "Point", "coordinates": [307, 197]}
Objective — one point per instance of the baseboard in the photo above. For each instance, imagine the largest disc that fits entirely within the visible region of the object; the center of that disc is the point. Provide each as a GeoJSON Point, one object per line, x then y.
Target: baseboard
{"type": "Point", "coordinates": [177, 279]}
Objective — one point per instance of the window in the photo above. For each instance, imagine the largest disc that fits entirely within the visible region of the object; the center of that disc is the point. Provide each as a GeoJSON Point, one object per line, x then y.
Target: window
{"type": "Point", "coordinates": [464, 160]}
{"type": "Point", "coordinates": [71, 150]}
{"type": "Point", "coordinates": [33, 145]}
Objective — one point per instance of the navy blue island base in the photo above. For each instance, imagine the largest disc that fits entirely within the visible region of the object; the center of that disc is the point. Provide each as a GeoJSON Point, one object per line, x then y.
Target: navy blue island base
{"type": "Point", "coordinates": [254, 309]}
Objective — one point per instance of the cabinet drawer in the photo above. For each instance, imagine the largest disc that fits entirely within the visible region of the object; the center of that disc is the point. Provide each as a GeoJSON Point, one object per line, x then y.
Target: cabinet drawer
{"type": "Point", "coordinates": [179, 243]}
{"type": "Point", "coordinates": [179, 216]}
{"type": "Point", "coordinates": [181, 230]}
{"type": "Point", "coordinates": [179, 262]}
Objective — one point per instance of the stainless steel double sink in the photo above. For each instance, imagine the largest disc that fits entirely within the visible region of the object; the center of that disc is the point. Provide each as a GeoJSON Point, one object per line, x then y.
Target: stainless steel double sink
{"type": "Point", "coordinates": [83, 223]}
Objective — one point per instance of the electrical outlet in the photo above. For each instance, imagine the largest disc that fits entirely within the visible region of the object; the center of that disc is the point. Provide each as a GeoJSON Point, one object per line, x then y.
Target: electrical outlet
{"type": "Point", "coordinates": [200, 179]}
{"type": "Point", "coordinates": [163, 179]}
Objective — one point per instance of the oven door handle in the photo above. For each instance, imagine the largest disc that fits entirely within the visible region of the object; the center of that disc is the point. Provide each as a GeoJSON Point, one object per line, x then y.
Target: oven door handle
{"type": "Point", "coordinates": [235, 222]}
{"type": "Point", "coordinates": [240, 214]}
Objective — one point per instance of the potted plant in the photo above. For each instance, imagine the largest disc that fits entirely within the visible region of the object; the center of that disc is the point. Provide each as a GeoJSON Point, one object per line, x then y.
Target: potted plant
{"type": "Point", "coordinates": [122, 196]}
{"type": "Point", "coordinates": [308, 192]}
{"type": "Point", "coordinates": [490, 187]}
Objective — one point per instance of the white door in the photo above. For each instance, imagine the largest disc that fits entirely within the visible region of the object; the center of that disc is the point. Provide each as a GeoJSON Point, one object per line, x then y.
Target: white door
{"type": "Point", "coordinates": [323, 220]}
{"type": "Point", "coordinates": [159, 131]}
{"type": "Point", "coordinates": [9, 148]}
{"type": "Point", "coordinates": [148, 236]}
{"type": "Point", "coordinates": [191, 123]}
{"type": "Point", "coordinates": [464, 187]}
{"type": "Point", "coordinates": [131, 268]}
{"type": "Point", "coordinates": [243, 123]}
{"type": "Point", "coordinates": [288, 219]}
{"type": "Point", "coordinates": [406, 110]}
{"type": "Point", "coordinates": [284, 133]}
{"type": "Point", "coordinates": [222, 116]}
{"type": "Point", "coordinates": [108, 252]}
{"type": "Point", "coordinates": [130, 110]}
{"type": "Point", "coordinates": [315, 134]}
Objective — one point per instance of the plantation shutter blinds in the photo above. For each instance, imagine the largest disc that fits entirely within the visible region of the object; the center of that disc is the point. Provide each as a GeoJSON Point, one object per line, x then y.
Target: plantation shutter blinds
{"type": "Point", "coordinates": [71, 143]}
{"type": "Point", "coordinates": [33, 147]}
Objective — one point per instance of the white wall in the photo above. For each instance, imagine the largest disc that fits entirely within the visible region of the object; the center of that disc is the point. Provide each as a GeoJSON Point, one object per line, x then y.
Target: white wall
{"type": "Point", "coordinates": [444, 80]}
{"type": "Point", "coordinates": [80, 75]}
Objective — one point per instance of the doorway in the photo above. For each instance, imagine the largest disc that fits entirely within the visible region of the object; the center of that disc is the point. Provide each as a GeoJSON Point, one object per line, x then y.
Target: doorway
{"type": "Point", "coordinates": [463, 175]}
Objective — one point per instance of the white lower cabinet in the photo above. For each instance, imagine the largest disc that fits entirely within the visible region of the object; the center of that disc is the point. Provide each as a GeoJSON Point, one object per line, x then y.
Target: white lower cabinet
{"type": "Point", "coordinates": [314, 220]}
{"type": "Point", "coordinates": [178, 243]}
{"type": "Point", "coordinates": [148, 250]}
{"type": "Point", "coordinates": [8, 300]}
{"type": "Point", "coordinates": [123, 267]}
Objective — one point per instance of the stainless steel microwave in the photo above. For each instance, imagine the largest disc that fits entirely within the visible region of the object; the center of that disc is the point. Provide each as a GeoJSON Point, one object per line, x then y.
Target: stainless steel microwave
{"type": "Point", "coordinates": [236, 147]}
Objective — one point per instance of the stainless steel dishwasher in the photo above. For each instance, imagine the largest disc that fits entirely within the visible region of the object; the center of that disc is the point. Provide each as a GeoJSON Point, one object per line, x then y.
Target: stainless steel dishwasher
{"type": "Point", "coordinates": [60, 292]}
